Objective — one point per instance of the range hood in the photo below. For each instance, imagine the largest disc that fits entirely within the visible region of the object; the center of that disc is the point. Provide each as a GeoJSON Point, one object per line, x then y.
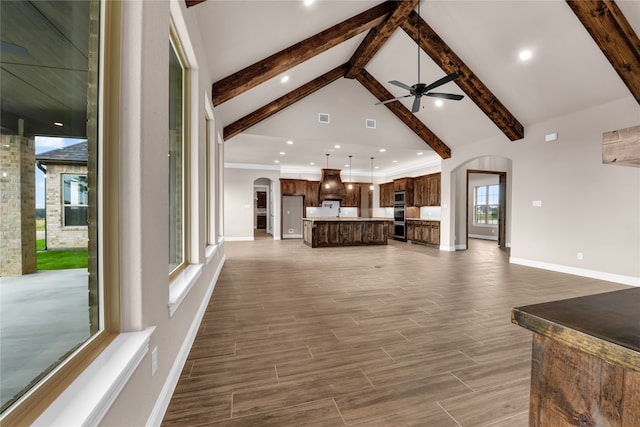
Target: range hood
{"type": "Point", "coordinates": [331, 186]}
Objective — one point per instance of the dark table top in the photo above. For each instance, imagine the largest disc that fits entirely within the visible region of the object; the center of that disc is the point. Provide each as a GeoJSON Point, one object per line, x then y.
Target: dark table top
{"type": "Point", "coordinates": [606, 325]}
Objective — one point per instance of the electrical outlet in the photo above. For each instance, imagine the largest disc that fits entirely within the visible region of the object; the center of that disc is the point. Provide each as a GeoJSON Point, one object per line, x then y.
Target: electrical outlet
{"type": "Point", "coordinates": [580, 255]}
{"type": "Point", "coordinates": [154, 360]}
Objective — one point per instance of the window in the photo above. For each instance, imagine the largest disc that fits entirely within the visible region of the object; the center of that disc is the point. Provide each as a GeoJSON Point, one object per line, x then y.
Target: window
{"type": "Point", "coordinates": [75, 199]}
{"type": "Point", "coordinates": [486, 204]}
{"type": "Point", "coordinates": [48, 339]}
{"type": "Point", "coordinates": [177, 157]}
{"type": "Point", "coordinates": [209, 186]}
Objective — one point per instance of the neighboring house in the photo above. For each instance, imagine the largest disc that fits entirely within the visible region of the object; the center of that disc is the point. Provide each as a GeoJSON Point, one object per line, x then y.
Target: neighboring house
{"type": "Point", "coordinates": [66, 196]}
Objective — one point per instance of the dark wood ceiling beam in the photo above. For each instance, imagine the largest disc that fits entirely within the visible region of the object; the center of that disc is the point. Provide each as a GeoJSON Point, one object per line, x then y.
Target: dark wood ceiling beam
{"type": "Point", "coordinates": [251, 76]}
{"type": "Point", "coordinates": [193, 2]}
{"type": "Point", "coordinates": [407, 117]}
{"type": "Point", "coordinates": [283, 102]}
{"type": "Point", "coordinates": [449, 62]}
{"type": "Point", "coordinates": [611, 31]}
{"type": "Point", "coordinates": [378, 36]}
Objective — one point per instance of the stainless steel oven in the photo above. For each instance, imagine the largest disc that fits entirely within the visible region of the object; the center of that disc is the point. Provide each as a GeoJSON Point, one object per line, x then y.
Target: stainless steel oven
{"type": "Point", "coordinates": [398, 213]}
{"type": "Point", "coordinates": [399, 230]}
{"type": "Point", "coordinates": [399, 198]}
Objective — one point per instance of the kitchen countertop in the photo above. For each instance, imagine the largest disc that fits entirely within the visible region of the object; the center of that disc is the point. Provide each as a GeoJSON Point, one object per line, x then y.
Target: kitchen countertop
{"type": "Point", "coordinates": [424, 219]}
{"type": "Point", "coordinates": [604, 325]}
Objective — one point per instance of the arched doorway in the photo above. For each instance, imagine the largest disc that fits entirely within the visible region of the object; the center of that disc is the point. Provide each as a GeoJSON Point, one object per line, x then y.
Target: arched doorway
{"type": "Point", "coordinates": [263, 208]}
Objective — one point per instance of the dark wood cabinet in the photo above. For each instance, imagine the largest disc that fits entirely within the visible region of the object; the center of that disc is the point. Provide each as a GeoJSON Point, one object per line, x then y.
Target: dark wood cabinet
{"type": "Point", "coordinates": [426, 190]}
{"type": "Point", "coordinates": [311, 193]}
{"type": "Point", "coordinates": [386, 194]}
{"type": "Point", "coordinates": [261, 222]}
{"type": "Point", "coordinates": [426, 232]}
{"type": "Point", "coordinates": [353, 196]}
{"type": "Point", "coordinates": [261, 203]}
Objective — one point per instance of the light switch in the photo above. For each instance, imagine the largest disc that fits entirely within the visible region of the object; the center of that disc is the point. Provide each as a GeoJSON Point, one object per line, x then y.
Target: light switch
{"type": "Point", "coordinates": [536, 203]}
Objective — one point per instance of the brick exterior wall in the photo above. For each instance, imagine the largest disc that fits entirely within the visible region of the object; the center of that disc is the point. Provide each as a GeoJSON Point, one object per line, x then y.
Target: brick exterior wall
{"type": "Point", "coordinates": [59, 236]}
{"type": "Point", "coordinates": [17, 206]}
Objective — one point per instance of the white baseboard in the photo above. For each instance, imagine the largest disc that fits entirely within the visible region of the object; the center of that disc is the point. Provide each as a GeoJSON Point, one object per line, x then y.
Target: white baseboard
{"type": "Point", "coordinates": [292, 236]}
{"type": "Point", "coordinates": [461, 247]}
{"type": "Point", "coordinates": [593, 274]}
{"type": "Point", "coordinates": [238, 239]}
{"type": "Point", "coordinates": [448, 248]}
{"type": "Point", "coordinates": [276, 238]}
{"type": "Point", "coordinates": [159, 409]}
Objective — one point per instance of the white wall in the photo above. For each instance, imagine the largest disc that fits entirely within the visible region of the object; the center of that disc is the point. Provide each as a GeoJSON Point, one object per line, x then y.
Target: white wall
{"type": "Point", "coordinates": [144, 237]}
{"type": "Point", "coordinates": [239, 202]}
{"type": "Point", "coordinates": [587, 207]}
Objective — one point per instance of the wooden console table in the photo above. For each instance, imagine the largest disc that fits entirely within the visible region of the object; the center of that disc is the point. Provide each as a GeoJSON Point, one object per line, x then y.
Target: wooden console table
{"type": "Point", "coordinates": [586, 360]}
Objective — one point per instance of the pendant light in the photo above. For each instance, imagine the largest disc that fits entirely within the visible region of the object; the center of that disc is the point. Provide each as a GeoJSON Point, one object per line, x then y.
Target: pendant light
{"type": "Point", "coordinates": [350, 186]}
{"type": "Point", "coordinates": [371, 186]}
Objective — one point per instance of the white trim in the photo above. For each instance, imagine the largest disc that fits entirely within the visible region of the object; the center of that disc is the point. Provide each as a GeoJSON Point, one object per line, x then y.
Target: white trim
{"type": "Point", "coordinates": [292, 236]}
{"type": "Point", "coordinates": [593, 274]}
{"type": "Point", "coordinates": [86, 401]}
{"type": "Point", "coordinates": [461, 247]}
{"type": "Point", "coordinates": [447, 248]}
{"type": "Point", "coordinates": [276, 237]}
{"type": "Point", "coordinates": [209, 252]}
{"type": "Point", "coordinates": [238, 239]}
{"type": "Point", "coordinates": [162, 403]}
{"type": "Point", "coordinates": [483, 237]}
{"type": "Point", "coordinates": [181, 285]}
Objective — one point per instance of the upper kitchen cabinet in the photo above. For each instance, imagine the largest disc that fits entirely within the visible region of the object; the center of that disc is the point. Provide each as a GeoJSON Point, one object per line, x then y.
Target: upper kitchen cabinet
{"type": "Point", "coordinates": [405, 185]}
{"type": "Point", "coordinates": [386, 195]}
{"type": "Point", "coordinates": [426, 190]}
{"type": "Point", "coordinates": [353, 196]}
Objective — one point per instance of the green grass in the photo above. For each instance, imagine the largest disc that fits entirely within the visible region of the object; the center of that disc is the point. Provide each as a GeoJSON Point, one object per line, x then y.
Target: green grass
{"type": "Point", "coordinates": [60, 259]}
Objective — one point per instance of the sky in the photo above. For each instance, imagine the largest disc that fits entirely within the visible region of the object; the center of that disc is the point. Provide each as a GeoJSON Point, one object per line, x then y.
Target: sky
{"type": "Point", "coordinates": [48, 143]}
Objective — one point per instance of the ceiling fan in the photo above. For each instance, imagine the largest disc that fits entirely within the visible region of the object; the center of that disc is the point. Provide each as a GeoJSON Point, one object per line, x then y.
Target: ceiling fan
{"type": "Point", "coordinates": [419, 90]}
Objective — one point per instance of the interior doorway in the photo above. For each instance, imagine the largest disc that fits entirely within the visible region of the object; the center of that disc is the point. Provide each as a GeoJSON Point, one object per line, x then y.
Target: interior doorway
{"type": "Point", "coordinates": [263, 208]}
{"type": "Point", "coordinates": [292, 210]}
{"type": "Point", "coordinates": [486, 206]}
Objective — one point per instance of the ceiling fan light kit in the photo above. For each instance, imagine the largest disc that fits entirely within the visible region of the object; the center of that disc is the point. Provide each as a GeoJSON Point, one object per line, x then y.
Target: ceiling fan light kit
{"type": "Point", "coordinates": [419, 90]}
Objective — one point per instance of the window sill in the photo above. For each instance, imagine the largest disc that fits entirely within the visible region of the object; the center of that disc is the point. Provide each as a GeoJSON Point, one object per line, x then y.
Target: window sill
{"type": "Point", "coordinates": [180, 286]}
{"type": "Point", "coordinates": [209, 252]}
{"type": "Point", "coordinates": [89, 397]}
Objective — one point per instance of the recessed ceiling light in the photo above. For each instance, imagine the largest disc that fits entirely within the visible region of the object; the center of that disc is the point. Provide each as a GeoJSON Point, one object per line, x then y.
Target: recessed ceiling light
{"type": "Point", "coordinates": [312, 163]}
{"type": "Point", "coordinates": [525, 55]}
{"type": "Point", "coordinates": [282, 153]}
{"type": "Point", "coordinates": [336, 146]}
{"type": "Point", "coordinates": [439, 103]}
{"type": "Point", "coordinates": [382, 150]}
{"type": "Point", "coordinates": [276, 161]}
{"type": "Point", "coordinates": [290, 142]}
{"type": "Point", "coordinates": [395, 161]}
{"type": "Point", "coordinates": [376, 167]}
{"type": "Point", "coordinates": [284, 79]}
{"type": "Point", "coordinates": [308, 2]}
{"type": "Point", "coordinates": [58, 124]}
{"type": "Point", "coordinates": [420, 153]}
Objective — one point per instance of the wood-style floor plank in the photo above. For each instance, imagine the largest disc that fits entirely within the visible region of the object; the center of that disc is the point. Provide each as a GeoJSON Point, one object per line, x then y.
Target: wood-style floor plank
{"type": "Point", "coordinates": [396, 335]}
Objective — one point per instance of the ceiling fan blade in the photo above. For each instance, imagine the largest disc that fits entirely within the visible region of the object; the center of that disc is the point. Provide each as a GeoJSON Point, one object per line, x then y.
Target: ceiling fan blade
{"type": "Point", "coordinates": [400, 84]}
{"type": "Point", "coordinates": [445, 79]}
{"type": "Point", "coordinates": [451, 96]}
{"type": "Point", "coordinates": [416, 105]}
{"type": "Point", "coordinates": [391, 100]}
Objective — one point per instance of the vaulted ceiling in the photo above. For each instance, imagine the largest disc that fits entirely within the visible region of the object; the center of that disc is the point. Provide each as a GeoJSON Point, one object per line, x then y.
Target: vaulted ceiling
{"type": "Point", "coordinates": [252, 44]}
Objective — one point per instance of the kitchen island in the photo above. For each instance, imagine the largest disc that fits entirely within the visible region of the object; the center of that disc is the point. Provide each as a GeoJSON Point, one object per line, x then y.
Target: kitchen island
{"type": "Point", "coordinates": [586, 360]}
{"type": "Point", "coordinates": [333, 231]}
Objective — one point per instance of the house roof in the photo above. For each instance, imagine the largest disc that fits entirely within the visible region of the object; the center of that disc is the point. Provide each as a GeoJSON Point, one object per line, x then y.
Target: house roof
{"type": "Point", "coordinates": [75, 154]}
{"type": "Point", "coordinates": [568, 72]}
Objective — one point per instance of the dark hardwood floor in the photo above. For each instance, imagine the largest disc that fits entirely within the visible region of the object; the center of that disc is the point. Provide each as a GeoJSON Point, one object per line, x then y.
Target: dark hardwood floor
{"type": "Point", "coordinates": [397, 335]}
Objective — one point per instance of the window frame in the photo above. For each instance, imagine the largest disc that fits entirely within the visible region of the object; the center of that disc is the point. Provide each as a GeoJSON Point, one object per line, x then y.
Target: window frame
{"type": "Point", "coordinates": [175, 43]}
{"type": "Point", "coordinates": [486, 204]}
{"type": "Point", "coordinates": [28, 407]}
{"type": "Point", "coordinates": [65, 205]}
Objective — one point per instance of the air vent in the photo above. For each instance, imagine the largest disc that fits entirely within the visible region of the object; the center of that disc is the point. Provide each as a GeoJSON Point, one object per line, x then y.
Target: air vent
{"type": "Point", "coordinates": [370, 123]}
{"type": "Point", "coordinates": [323, 117]}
